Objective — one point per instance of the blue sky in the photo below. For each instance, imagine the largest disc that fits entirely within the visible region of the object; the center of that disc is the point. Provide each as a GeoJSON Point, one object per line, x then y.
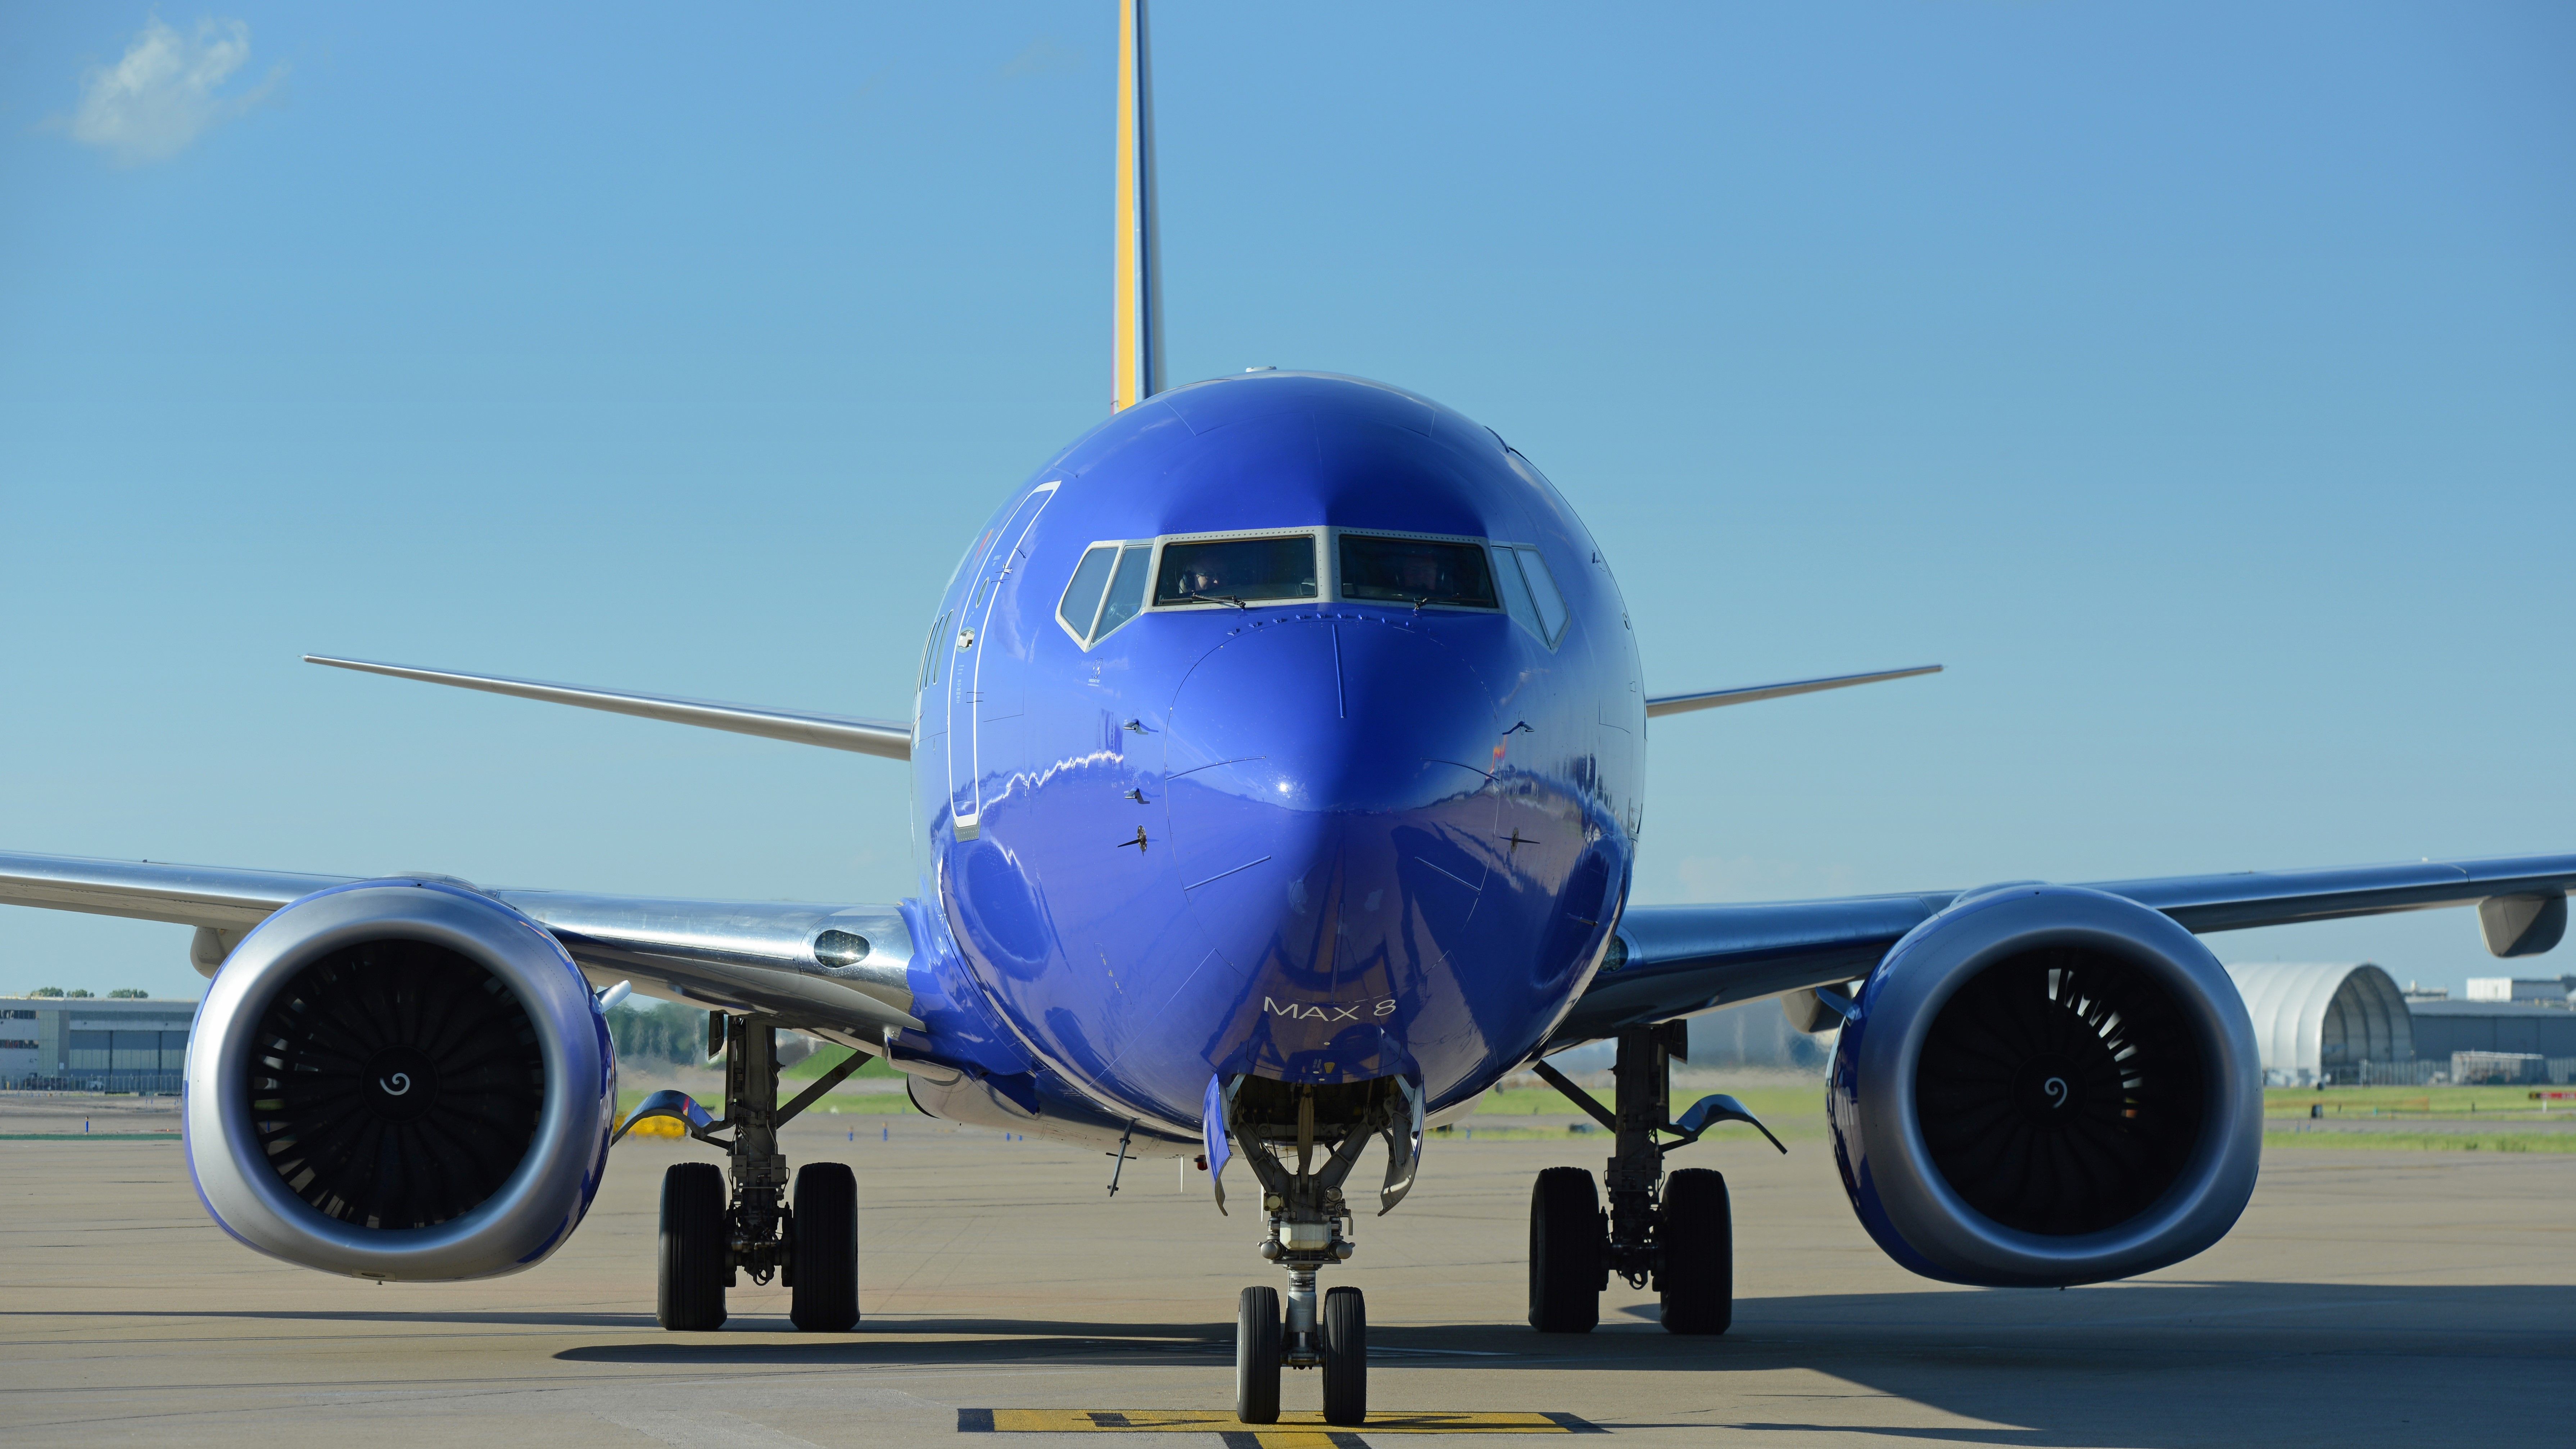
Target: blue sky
{"type": "Point", "coordinates": [2198, 383]}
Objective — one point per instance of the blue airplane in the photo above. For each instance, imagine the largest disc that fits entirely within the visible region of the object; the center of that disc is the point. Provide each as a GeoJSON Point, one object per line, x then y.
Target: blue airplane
{"type": "Point", "coordinates": [1278, 754]}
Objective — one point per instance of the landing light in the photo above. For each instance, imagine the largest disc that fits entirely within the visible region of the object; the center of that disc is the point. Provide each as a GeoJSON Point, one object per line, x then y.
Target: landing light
{"type": "Point", "coordinates": [840, 948]}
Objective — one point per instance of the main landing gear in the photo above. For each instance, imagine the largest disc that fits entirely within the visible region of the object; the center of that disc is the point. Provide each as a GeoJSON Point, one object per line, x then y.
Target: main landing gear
{"type": "Point", "coordinates": [1675, 1233]}
{"type": "Point", "coordinates": [812, 1242]}
{"type": "Point", "coordinates": [1309, 1221]}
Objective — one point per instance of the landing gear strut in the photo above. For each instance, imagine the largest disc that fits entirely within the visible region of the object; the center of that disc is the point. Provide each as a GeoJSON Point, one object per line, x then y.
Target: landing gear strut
{"type": "Point", "coordinates": [1676, 1233]}
{"type": "Point", "coordinates": [1309, 1221]}
{"type": "Point", "coordinates": [811, 1242]}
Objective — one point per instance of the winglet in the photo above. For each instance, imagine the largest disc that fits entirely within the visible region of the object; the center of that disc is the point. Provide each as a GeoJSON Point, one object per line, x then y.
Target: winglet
{"type": "Point", "coordinates": [1136, 346]}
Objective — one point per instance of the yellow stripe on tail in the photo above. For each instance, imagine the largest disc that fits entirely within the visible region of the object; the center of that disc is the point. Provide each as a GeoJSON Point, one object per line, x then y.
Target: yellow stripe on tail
{"type": "Point", "coordinates": [1136, 346]}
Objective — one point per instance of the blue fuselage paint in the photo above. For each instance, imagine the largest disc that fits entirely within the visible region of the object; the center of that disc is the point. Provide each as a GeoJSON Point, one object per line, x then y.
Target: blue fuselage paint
{"type": "Point", "coordinates": [1322, 840]}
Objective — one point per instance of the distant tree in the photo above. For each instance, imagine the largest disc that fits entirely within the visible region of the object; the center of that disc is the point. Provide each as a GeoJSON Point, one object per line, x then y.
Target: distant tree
{"type": "Point", "coordinates": [80, 991]}
{"type": "Point", "coordinates": [659, 1031]}
{"type": "Point", "coordinates": [46, 991]}
{"type": "Point", "coordinates": [129, 993]}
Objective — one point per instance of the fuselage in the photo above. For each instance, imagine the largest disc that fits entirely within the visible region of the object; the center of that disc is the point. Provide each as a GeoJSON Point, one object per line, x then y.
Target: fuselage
{"type": "Point", "coordinates": [1286, 724]}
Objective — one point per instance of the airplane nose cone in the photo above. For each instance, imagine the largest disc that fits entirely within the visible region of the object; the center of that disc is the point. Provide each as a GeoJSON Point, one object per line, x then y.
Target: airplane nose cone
{"type": "Point", "coordinates": [1333, 819]}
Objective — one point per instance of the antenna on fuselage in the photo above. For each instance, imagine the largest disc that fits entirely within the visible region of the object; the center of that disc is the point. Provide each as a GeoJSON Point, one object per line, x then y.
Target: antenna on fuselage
{"type": "Point", "coordinates": [1136, 344]}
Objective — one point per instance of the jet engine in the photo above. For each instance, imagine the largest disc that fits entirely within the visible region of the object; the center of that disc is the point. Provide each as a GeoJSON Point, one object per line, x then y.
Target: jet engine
{"type": "Point", "coordinates": [403, 1080]}
{"type": "Point", "coordinates": [2045, 1085]}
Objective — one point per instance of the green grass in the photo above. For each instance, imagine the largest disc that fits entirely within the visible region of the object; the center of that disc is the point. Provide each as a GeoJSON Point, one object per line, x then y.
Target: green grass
{"type": "Point", "coordinates": [2427, 1141]}
{"type": "Point", "coordinates": [2510, 1108]}
{"type": "Point", "coordinates": [830, 1057]}
{"type": "Point", "coordinates": [2463, 1103]}
{"type": "Point", "coordinates": [172, 1136]}
{"type": "Point", "coordinates": [1788, 1111]}
{"type": "Point", "coordinates": [1479, 1130]}
{"type": "Point", "coordinates": [806, 1071]}
{"type": "Point", "coordinates": [851, 1104]}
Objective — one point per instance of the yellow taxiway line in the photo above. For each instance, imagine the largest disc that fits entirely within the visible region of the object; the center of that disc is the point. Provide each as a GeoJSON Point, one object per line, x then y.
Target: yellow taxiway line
{"type": "Point", "coordinates": [1293, 1431]}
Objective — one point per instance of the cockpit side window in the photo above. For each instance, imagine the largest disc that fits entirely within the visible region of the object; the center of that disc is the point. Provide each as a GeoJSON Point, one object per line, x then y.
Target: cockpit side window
{"type": "Point", "coordinates": [1544, 595]}
{"type": "Point", "coordinates": [1416, 571]}
{"type": "Point", "coordinates": [1082, 596]}
{"type": "Point", "coordinates": [1127, 590]}
{"type": "Point", "coordinates": [1515, 590]}
{"type": "Point", "coordinates": [1236, 571]}
{"type": "Point", "coordinates": [1108, 588]}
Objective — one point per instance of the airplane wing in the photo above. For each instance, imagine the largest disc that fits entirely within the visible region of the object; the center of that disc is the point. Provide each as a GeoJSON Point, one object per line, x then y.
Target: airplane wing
{"type": "Point", "coordinates": [1657, 706]}
{"type": "Point", "coordinates": [888, 738]}
{"type": "Point", "coordinates": [746, 956]}
{"type": "Point", "coordinates": [1673, 961]}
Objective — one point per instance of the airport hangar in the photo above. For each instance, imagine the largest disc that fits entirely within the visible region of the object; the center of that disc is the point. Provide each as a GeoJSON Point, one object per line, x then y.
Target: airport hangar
{"type": "Point", "coordinates": [2349, 1024]}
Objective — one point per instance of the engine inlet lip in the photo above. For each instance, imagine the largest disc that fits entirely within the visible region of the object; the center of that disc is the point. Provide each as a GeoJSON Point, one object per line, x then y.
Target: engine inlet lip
{"type": "Point", "coordinates": [1961, 1243]}
{"type": "Point", "coordinates": [525, 1216]}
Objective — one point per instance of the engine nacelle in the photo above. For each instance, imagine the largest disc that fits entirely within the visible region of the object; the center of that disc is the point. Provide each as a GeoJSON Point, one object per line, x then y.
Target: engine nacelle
{"type": "Point", "coordinates": [2047, 1085]}
{"type": "Point", "coordinates": [403, 1080]}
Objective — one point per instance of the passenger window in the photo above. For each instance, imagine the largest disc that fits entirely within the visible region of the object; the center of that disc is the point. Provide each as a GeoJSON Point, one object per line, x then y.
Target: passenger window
{"type": "Point", "coordinates": [1416, 571]}
{"type": "Point", "coordinates": [1237, 571]}
{"type": "Point", "coordinates": [1082, 596]}
{"type": "Point", "coordinates": [1543, 594]}
{"type": "Point", "coordinates": [1127, 591]}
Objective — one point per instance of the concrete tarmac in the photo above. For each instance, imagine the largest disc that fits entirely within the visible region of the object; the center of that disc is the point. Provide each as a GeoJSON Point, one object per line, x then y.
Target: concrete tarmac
{"type": "Point", "coordinates": [2369, 1297]}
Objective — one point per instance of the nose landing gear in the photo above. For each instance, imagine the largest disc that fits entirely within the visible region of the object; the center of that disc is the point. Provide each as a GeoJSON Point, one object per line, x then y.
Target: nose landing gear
{"type": "Point", "coordinates": [1676, 1233]}
{"type": "Point", "coordinates": [1309, 1222]}
{"type": "Point", "coordinates": [1335, 1341]}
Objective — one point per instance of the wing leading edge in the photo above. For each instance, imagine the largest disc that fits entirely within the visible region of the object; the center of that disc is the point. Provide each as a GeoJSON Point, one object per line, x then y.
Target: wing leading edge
{"type": "Point", "coordinates": [804, 727]}
{"type": "Point", "coordinates": [1684, 959]}
{"type": "Point", "coordinates": [1657, 706]}
{"type": "Point", "coordinates": [746, 956]}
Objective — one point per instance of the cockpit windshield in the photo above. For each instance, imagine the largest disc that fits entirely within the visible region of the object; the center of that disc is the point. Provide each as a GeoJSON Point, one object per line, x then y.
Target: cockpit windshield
{"type": "Point", "coordinates": [1416, 571]}
{"type": "Point", "coordinates": [1237, 571]}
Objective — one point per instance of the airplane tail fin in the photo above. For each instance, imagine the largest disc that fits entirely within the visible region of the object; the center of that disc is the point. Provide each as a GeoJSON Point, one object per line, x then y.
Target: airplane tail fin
{"type": "Point", "coordinates": [1137, 342]}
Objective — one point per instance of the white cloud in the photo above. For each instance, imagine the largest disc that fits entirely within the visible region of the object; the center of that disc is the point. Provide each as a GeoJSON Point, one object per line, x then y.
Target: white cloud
{"type": "Point", "coordinates": [162, 96]}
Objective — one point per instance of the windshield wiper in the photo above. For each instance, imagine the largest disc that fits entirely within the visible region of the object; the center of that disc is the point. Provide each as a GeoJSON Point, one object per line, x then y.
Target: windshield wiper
{"type": "Point", "coordinates": [1218, 599]}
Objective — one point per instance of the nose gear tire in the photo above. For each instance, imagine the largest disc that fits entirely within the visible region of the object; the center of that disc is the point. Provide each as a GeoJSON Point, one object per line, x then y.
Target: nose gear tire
{"type": "Point", "coordinates": [1695, 1226]}
{"type": "Point", "coordinates": [1256, 1356]}
{"type": "Point", "coordinates": [690, 1293]}
{"type": "Point", "coordinates": [1345, 1357]}
{"type": "Point", "coordinates": [1566, 1252]}
{"type": "Point", "coordinates": [824, 1291]}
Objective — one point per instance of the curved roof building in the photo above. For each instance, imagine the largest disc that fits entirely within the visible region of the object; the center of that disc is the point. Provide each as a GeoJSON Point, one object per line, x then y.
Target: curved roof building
{"type": "Point", "coordinates": [2320, 1022]}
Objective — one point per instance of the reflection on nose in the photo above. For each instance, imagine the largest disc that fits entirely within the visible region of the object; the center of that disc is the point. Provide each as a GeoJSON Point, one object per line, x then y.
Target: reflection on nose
{"type": "Point", "coordinates": [1331, 808]}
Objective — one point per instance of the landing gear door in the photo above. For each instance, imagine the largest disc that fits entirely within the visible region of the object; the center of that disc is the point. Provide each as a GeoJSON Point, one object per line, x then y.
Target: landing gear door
{"type": "Point", "coordinates": [1007, 553]}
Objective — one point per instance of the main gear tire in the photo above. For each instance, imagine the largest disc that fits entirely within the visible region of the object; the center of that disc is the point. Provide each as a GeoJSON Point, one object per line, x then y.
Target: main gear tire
{"type": "Point", "coordinates": [1566, 1248]}
{"type": "Point", "coordinates": [823, 1296]}
{"type": "Point", "coordinates": [1695, 1231]}
{"type": "Point", "coordinates": [689, 1295]}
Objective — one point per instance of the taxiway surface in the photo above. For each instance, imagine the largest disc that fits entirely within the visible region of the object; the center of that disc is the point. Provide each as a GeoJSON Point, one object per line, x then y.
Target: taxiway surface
{"type": "Point", "coordinates": [2399, 1298]}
